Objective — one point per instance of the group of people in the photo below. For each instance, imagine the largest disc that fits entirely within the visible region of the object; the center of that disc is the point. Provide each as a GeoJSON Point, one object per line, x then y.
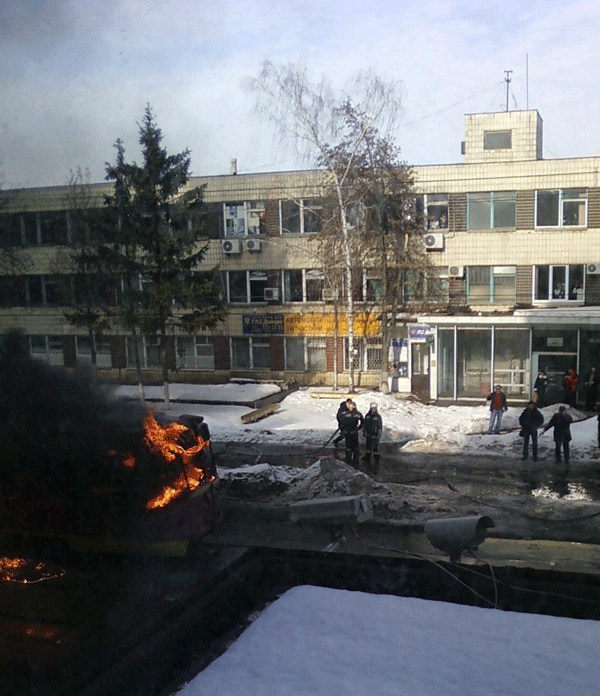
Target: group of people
{"type": "Point", "coordinates": [531, 420]}
{"type": "Point", "coordinates": [570, 388]}
{"type": "Point", "coordinates": [350, 423]}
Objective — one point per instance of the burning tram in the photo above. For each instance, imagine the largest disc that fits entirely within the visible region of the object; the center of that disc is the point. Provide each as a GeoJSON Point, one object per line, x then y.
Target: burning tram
{"type": "Point", "coordinates": [97, 473]}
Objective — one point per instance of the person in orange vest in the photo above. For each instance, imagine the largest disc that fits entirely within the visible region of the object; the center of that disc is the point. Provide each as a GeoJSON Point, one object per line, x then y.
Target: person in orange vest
{"type": "Point", "coordinates": [570, 386]}
{"type": "Point", "coordinates": [498, 407]}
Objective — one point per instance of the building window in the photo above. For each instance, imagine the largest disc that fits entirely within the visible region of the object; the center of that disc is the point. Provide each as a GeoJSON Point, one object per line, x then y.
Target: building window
{"type": "Point", "coordinates": [53, 227]}
{"type": "Point", "coordinates": [294, 354]}
{"type": "Point", "coordinates": [562, 208]}
{"type": "Point", "coordinates": [245, 287]}
{"type": "Point", "coordinates": [497, 140]}
{"type": "Point", "coordinates": [195, 352]}
{"type": "Point", "coordinates": [473, 362]}
{"type": "Point", "coordinates": [149, 351]}
{"type": "Point", "coordinates": [47, 348]}
{"type": "Point", "coordinates": [303, 285]}
{"type": "Point", "coordinates": [237, 286]}
{"type": "Point", "coordinates": [10, 230]}
{"type": "Point", "coordinates": [244, 218]}
{"type": "Point", "coordinates": [83, 351]}
{"type": "Point", "coordinates": [373, 288]}
{"type": "Point", "coordinates": [563, 283]}
{"type": "Point", "coordinates": [316, 354]}
{"type": "Point", "coordinates": [434, 208]}
{"type": "Point", "coordinates": [13, 291]}
{"type": "Point", "coordinates": [250, 353]}
{"type": "Point", "coordinates": [493, 210]}
{"type": "Point", "coordinates": [302, 216]}
{"type": "Point", "coordinates": [315, 280]}
{"type": "Point", "coordinates": [511, 360]}
{"type": "Point", "coordinates": [491, 285]}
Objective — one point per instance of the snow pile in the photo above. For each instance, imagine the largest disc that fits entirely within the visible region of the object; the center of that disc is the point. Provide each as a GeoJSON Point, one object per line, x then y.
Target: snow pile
{"type": "Point", "coordinates": [327, 477]}
{"type": "Point", "coordinates": [316, 642]}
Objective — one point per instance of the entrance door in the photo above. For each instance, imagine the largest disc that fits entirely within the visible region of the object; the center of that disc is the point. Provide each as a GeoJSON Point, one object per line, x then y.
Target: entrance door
{"type": "Point", "coordinates": [555, 365]}
{"type": "Point", "coordinates": [419, 383]}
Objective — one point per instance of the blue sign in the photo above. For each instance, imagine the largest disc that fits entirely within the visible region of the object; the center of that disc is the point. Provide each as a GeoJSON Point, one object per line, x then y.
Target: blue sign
{"type": "Point", "coordinates": [259, 324]}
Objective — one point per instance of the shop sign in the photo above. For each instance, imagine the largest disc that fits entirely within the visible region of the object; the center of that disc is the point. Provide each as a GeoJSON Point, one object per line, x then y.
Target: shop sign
{"type": "Point", "coordinates": [257, 324]}
{"type": "Point", "coordinates": [324, 325]}
{"type": "Point", "coordinates": [555, 342]}
{"type": "Point", "coordinates": [419, 332]}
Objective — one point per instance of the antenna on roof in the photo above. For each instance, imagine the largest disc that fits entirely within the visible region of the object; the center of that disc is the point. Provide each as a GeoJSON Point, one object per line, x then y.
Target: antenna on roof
{"type": "Point", "coordinates": [507, 74]}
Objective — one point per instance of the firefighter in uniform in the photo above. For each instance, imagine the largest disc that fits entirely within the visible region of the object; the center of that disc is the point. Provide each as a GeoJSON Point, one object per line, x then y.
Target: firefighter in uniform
{"type": "Point", "coordinates": [373, 425]}
{"type": "Point", "coordinates": [351, 421]}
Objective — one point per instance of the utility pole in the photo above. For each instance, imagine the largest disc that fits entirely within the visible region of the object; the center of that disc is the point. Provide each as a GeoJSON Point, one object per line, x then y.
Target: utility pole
{"type": "Point", "coordinates": [507, 74]}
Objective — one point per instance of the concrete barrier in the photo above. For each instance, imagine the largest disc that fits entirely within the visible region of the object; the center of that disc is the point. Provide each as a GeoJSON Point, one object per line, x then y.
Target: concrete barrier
{"type": "Point", "coordinates": [260, 413]}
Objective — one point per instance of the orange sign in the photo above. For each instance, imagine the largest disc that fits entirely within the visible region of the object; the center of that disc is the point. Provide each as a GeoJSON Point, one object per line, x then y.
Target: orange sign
{"type": "Point", "coordinates": [324, 325]}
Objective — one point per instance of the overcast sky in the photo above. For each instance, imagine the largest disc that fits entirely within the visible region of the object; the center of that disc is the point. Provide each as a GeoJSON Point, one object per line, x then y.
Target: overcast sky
{"type": "Point", "coordinates": [77, 74]}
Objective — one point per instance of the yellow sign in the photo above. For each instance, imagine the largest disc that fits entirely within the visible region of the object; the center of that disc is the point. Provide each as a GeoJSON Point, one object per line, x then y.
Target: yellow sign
{"type": "Point", "coordinates": [324, 325]}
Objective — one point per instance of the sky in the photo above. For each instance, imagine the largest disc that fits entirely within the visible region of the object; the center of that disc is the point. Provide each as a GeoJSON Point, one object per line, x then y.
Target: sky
{"type": "Point", "coordinates": [78, 74]}
{"type": "Point", "coordinates": [316, 641]}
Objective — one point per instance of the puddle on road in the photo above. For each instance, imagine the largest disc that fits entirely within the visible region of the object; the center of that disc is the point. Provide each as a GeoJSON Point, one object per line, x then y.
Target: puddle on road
{"type": "Point", "coordinates": [564, 491]}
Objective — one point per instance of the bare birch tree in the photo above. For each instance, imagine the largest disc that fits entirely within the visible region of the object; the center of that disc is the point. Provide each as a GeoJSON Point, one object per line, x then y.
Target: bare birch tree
{"type": "Point", "coordinates": [313, 118]}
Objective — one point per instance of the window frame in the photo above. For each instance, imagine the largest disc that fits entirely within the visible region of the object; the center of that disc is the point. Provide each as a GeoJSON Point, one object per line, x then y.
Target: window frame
{"type": "Point", "coordinates": [492, 199]}
{"type": "Point", "coordinates": [495, 273]}
{"type": "Point", "coordinates": [496, 139]}
{"type": "Point", "coordinates": [250, 217]}
{"type": "Point", "coordinates": [560, 210]}
{"type": "Point", "coordinates": [571, 271]}
{"type": "Point", "coordinates": [308, 210]}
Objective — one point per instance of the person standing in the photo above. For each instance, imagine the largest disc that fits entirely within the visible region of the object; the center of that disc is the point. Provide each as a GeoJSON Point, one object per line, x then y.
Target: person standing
{"type": "Point", "coordinates": [591, 389]}
{"type": "Point", "coordinates": [351, 422]}
{"type": "Point", "coordinates": [341, 410]}
{"type": "Point", "coordinates": [570, 386]}
{"type": "Point", "coordinates": [540, 386]}
{"type": "Point", "coordinates": [530, 420]}
{"type": "Point", "coordinates": [373, 425]}
{"type": "Point", "coordinates": [498, 407]}
{"type": "Point", "coordinates": [561, 422]}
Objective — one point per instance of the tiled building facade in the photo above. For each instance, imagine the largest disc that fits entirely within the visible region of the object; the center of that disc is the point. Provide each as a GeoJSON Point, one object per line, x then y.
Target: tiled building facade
{"type": "Point", "coordinates": [514, 237]}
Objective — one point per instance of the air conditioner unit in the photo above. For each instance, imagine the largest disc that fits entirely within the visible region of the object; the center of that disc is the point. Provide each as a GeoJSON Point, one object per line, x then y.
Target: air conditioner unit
{"type": "Point", "coordinates": [329, 295]}
{"type": "Point", "coordinates": [253, 244]}
{"type": "Point", "coordinates": [271, 294]}
{"type": "Point", "coordinates": [456, 271]}
{"type": "Point", "coordinates": [231, 246]}
{"type": "Point", "coordinates": [593, 269]}
{"type": "Point", "coordinates": [434, 241]}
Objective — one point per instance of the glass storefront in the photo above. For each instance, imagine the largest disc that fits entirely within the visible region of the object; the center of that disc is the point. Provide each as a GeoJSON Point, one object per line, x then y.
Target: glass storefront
{"type": "Point", "coordinates": [473, 362]}
{"type": "Point", "coordinates": [445, 363]}
{"type": "Point", "coordinates": [512, 368]}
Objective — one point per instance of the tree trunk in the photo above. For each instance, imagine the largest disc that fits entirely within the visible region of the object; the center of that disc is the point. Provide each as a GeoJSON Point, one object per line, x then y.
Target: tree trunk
{"type": "Point", "coordinates": [165, 367]}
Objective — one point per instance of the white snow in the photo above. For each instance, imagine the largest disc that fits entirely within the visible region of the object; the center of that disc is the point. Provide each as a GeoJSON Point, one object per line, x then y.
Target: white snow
{"type": "Point", "coordinates": [318, 642]}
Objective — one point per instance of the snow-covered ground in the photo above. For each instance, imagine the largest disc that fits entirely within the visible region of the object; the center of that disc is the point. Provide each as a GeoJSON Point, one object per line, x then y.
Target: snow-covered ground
{"type": "Point", "coordinates": [315, 641]}
{"type": "Point", "coordinates": [415, 427]}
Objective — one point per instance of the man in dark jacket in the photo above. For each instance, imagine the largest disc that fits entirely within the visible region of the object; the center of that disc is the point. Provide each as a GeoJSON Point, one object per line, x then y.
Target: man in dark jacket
{"type": "Point", "coordinates": [561, 423]}
{"type": "Point", "coordinates": [373, 425]}
{"type": "Point", "coordinates": [351, 421]}
{"type": "Point", "coordinates": [540, 386]}
{"type": "Point", "coordinates": [342, 409]}
{"type": "Point", "coordinates": [530, 420]}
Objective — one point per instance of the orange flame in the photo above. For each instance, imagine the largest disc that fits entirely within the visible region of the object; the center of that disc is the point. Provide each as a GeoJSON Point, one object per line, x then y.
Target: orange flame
{"type": "Point", "coordinates": [25, 571]}
{"type": "Point", "coordinates": [163, 442]}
